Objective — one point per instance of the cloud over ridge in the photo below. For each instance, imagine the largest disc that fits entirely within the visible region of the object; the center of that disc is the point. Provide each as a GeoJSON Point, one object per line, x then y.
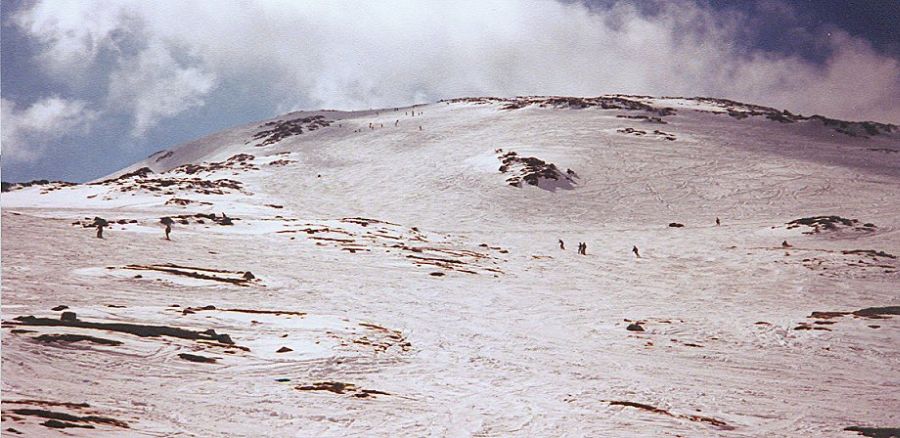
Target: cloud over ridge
{"type": "Point", "coordinates": [160, 59]}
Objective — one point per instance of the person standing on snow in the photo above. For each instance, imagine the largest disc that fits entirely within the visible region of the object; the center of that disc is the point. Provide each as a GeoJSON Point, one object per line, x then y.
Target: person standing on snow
{"type": "Point", "coordinates": [100, 223]}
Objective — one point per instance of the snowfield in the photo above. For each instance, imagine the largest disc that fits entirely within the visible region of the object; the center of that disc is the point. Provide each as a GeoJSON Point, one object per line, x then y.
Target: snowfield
{"type": "Point", "coordinates": [397, 272]}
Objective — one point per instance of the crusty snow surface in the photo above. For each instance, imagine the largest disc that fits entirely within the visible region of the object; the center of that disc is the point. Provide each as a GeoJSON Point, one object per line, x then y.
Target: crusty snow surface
{"type": "Point", "coordinates": [404, 265]}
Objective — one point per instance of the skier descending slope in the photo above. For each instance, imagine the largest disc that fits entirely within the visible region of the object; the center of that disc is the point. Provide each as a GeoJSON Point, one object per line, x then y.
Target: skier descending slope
{"type": "Point", "coordinates": [635, 251]}
{"type": "Point", "coordinates": [562, 245]}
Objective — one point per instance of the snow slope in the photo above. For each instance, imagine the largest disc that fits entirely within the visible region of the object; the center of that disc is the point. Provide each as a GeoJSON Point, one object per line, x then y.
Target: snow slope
{"type": "Point", "coordinates": [408, 261]}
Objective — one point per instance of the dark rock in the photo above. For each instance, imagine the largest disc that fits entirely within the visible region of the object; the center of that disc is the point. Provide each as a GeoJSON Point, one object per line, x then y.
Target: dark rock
{"type": "Point", "coordinates": [56, 424]}
{"type": "Point", "coordinates": [68, 337]}
{"type": "Point", "coordinates": [134, 329]}
{"type": "Point", "coordinates": [875, 432]}
{"type": "Point", "coordinates": [196, 358]}
{"type": "Point", "coordinates": [68, 316]}
{"type": "Point", "coordinates": [675, 225]}
{"type": "Point", "coordinates": [634, 328]}
{"type": "Point", "coordinates": [60, 307]}
{"type": "Point", "coordinates": [284, 350]}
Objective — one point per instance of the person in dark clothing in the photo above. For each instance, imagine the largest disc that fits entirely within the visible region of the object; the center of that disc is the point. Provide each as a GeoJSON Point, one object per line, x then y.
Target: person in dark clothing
{"type": "Point", "coordinates": [635, 251]}
{"type": "Point", "coordinates": [583, 248]}
{"type": "Point", "coordinates": [562, 245]}
{"type": "Point", "coordinates": [167, 221]}
{"type": "Point", "coordinates": [100, 223]}
{"type": "Point", "coordinates": [718, 222]}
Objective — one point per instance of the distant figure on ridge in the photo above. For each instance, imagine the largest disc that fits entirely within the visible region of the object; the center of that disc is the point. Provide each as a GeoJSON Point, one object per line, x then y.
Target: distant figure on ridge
{"type": "Point", "coordinates": [562, 245]}
{"type": "Point", "coordinates": [635, 251]}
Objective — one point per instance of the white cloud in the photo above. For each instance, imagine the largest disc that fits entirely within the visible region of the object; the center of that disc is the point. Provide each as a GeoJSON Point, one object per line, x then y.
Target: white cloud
{"type": "Point", "coordinates": [153, 86]}
{"type": "Point", "coordinates": [26, 132]}
{"type": "Point", "coordinates": [370, 54]}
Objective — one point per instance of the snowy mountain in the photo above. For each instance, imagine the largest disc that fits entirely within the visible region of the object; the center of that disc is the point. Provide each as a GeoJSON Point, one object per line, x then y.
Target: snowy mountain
{"type": "Point", "coordinates": [400, 272]}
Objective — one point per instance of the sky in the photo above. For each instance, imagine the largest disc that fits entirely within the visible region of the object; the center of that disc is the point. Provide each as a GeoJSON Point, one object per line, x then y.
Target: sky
{"type": "Point", "coordinates": [89, 87]}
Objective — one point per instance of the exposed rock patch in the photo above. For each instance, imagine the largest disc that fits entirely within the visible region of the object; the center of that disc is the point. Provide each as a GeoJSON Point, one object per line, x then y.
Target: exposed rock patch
{"type": "Point", "coordinates": [535, 172]}
{"type": "Point", "coordinates": [196, 358]}
{"type": "Point", "coordinates": [641, 133]}
{"type": "Point", "coordinates": [830, 223]}
{"type": "Point", "coordinates": [698, 418]}
{"type": "Point", "coordinates": [237, 278]}
{"type": "Point", "coordinates": [48, 186]}
{"type": "Point", "coordinates": [341, 388]}
{"type": "Point", "coordinates": [277, 131]}
{"type": "Point", "coordinates": [134, 329]}
{"type": "Point", "coordinates": [72, 338]}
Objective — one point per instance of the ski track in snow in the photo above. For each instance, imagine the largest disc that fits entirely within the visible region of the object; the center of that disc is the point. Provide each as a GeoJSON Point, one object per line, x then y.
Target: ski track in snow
{"type": "Point", "coordinates": [516, 337]}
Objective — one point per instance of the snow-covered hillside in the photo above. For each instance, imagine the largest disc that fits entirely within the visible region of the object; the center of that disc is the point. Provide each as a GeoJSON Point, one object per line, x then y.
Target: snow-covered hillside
{"type": "Point", "coordinates": [398, 272]}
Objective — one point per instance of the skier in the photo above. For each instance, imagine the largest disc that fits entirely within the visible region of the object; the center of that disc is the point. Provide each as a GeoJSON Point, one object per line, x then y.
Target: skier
{"type": "Point", "coordinates": [718, 222]}
{"type": "Point", "coordinates": [584, 248]}
{"type": "Point", "coordinates": [635, 251]}
{"type": "Point", "coordinates": [397, 123]}
{"type": "Point", "coordinates": [562, 245]}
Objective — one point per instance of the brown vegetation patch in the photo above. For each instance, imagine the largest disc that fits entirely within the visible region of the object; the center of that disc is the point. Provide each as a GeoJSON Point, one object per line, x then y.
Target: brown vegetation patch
{"type": "Point", "coordinates": [72, 338]}
{"type": "Point", "coordinates": [341, 388]}
{"type": "Point", "coordinates": [277, 131]}
{"type": "Point", "coordinates": [134, 329]}
{"type": "Point", "coordinates": [241, 278]}
{"type": "Point", "coordinates": [699, 418]}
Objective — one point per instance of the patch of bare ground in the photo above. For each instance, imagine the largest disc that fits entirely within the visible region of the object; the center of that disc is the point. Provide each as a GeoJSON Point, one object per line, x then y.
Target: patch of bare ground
{"type": "Point", "coordinates": [46, 185]}
{"type": "Point", "coordinates": [387, 339]}
{"type": "Point", "coordinates": [341, 388]}
{"type": "Point", "coordinates": [824, 318]}
{"type": "Point", "coordinates": [567, 102]}
{"type": "Point", "coordinates": [238, 278]}
{"type": "Point", "coordinates": [197, 358]}
{"type": "Point", "coordinates": [740, 110]}
{"type": "Point", "coordinates": [648, 119]}
{"type": "Point", "coordinates": [698, 418]}
{"type": "Point", "coordinates": [282, 129]}
{"type": "Point", "coordinates": [641, 133]}
{"type": "Point", "coordinates": [140, 330]}
{"type": "Point", "coordinates": [875, 432]}
{"type": "Point", "coordinates": [73, 338]}
{"type": "Point", "coordinates": [830, 223]}
{"type": "Point", "coordinates": [189, 310]}
{"type": "Point", "coordinates": [533, 171]}
{"type": "Point", "coordinates": [185, 202]}
{"type": "Point", "coordinates": [56, 419]}
{"type": "Point", "coordinates": [241, 162]}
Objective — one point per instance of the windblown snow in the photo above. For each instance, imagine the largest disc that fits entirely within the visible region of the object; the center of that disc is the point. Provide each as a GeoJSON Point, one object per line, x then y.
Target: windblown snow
{"type": "Point", "coordinates": [399, 272]}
